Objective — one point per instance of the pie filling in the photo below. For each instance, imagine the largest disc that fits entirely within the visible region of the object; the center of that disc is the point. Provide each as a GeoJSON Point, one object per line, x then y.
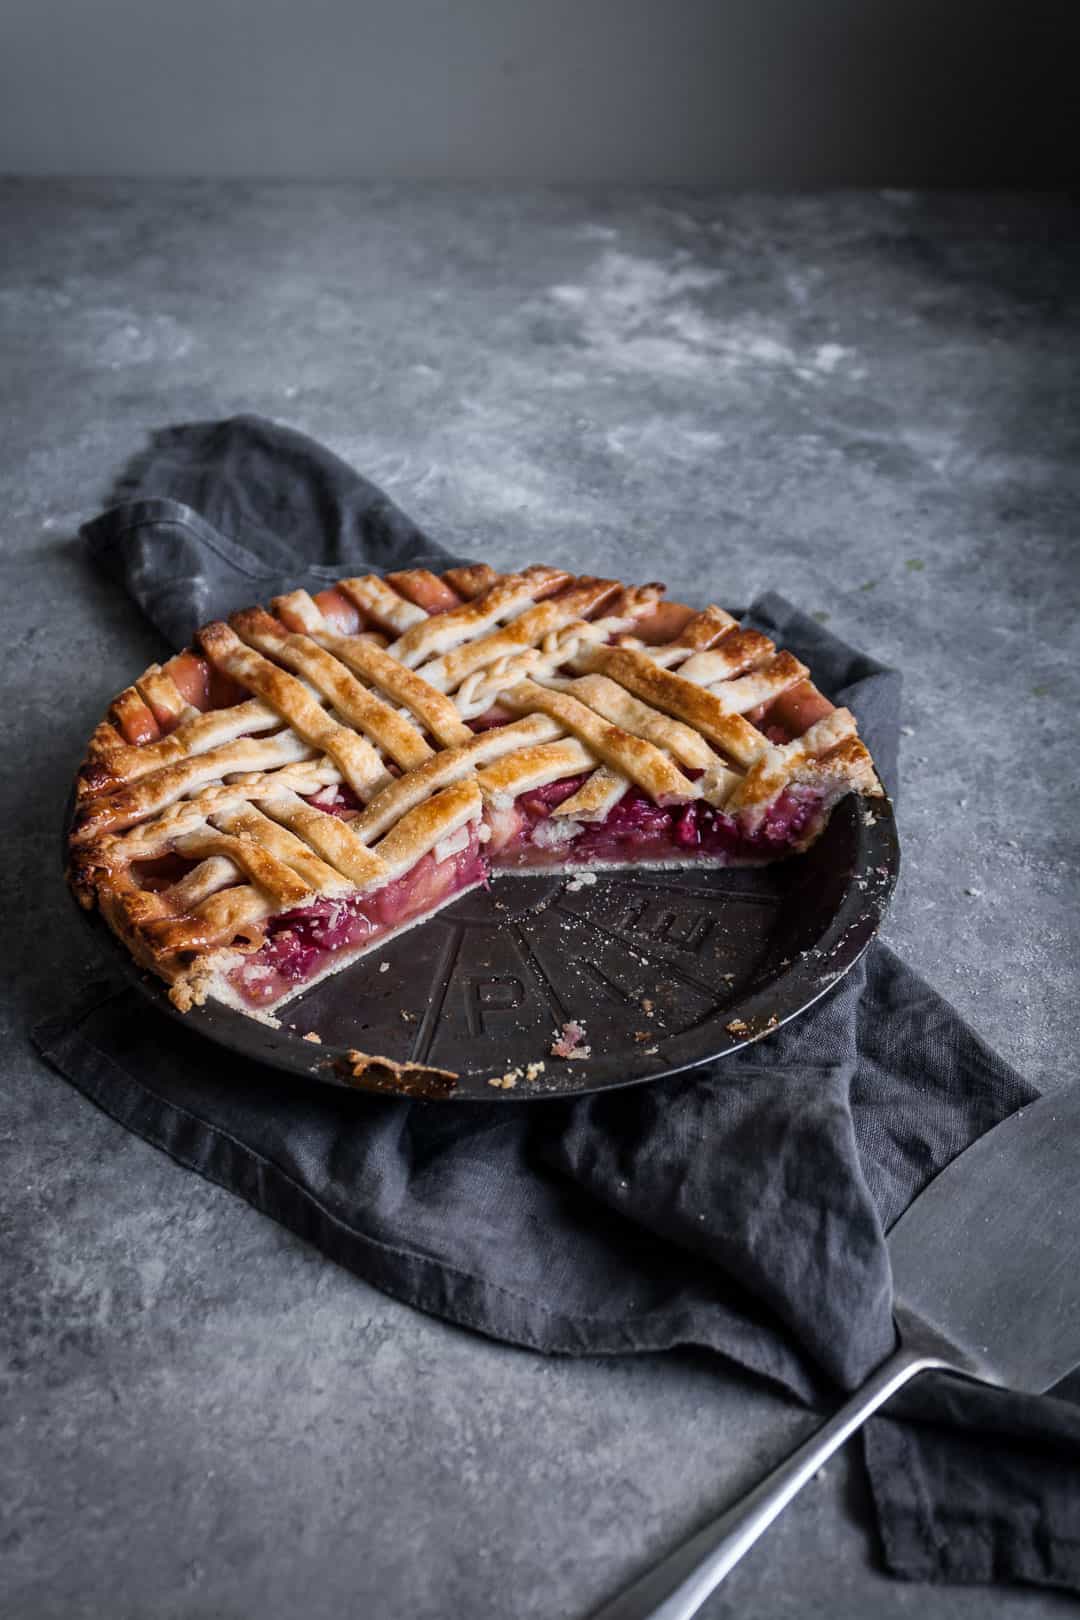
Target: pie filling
{"type": "Point", "coordinates": [301, 945]}
{"type": "Point", "coordinates": [636, 830]}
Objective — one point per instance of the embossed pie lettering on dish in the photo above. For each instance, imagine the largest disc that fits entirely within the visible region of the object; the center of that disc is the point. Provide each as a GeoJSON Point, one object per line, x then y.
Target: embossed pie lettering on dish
{"type": "Point", "coordinates": [310, 780]}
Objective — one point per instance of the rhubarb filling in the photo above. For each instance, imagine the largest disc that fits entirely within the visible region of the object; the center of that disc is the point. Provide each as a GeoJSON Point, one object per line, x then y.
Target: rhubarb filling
{"type": "Point", "coordinates": [636, 830]}
{"type": "Point", "coordinates": [302, 945]}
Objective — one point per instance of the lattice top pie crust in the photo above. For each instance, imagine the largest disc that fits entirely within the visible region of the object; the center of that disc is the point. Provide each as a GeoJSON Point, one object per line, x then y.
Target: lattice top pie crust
{"type": "Point", "coordinates": [384, 710]}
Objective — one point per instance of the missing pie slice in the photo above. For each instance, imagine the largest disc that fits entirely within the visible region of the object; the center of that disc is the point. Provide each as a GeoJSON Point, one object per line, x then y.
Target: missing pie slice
{"type": "Point", "coordinates": [306, 782]}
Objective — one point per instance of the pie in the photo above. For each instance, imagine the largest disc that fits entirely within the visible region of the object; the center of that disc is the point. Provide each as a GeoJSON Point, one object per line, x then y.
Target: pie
{"type": "Point", "coordinates": [308, 781]}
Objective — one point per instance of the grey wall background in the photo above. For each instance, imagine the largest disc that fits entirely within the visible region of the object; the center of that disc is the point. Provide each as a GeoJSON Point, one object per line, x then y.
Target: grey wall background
{"type": "Point", "coordinates": [737, 92]}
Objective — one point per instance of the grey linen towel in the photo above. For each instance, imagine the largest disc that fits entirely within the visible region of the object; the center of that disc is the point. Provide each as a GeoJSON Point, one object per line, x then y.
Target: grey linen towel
{"type": "Point", "coordinates": [741, 1208]}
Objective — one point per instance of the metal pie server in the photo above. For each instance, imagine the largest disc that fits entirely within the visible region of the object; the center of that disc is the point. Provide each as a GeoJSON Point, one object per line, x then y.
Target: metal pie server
{"type": "Point", "coordinates": [986, 1285]}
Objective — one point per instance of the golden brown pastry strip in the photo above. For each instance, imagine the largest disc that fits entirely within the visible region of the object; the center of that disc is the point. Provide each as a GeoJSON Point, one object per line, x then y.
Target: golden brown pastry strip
{"type": "Point", "coordinates": [138, 802]}
{"type": "Point", "coordinates": [249, 825]}
{"type": "Point", "coordinates": [269, 874]}
{"type": "Point", "coordinates": [631, 756]}
{"type": "Point", "coordinates": [527, 630]}
{"type": "Point", "coordinates": [451, 765]}
{"type": "Point", "coordinates": [194, 736]}
{"type": "Point", "coordinates": [374, 597]}
{"type": "Point", "coordinates": [354, 756]}
{"type": "Point", "coordinates": [662, 689]}
{"type": "Point", "coordinates": [526, 768]}
{"type": "Point", "coordinates": [510, 596]}
{"type": "Point", "coordinates": [389, 729]}
{"type": "Point", "coordinates": [327, 835]}
{"type": "Point", "coordinates": [417, 832]}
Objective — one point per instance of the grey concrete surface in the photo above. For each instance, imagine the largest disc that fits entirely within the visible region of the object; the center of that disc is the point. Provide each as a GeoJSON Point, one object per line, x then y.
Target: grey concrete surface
{"type": "Point", "coordinates": [868, 401]}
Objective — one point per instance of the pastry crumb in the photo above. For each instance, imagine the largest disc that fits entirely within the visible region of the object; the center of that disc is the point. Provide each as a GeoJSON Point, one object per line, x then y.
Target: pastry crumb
{"type": "Point", "coordinates": [384, 1074]}
{"type": "Point", "coordinates": [642, 1035]}
{"type": "Point", "coordinates": [384, 967]}
{"type": "Point", "coordinates": [311, 1036]}
{"type": "Point", "coordinates": [648, 1007]}
{"type": "Point", "coordinates": [410, 1017]}
{"type": "Point", "coordinates": [532, 1070]}
{"type": "Point", "coordinates": [505, 1082]}
{"type": "Point", "coordinates": [739, 1026]}
{"type": "Point", "coordinates": [976, 894]}
{"type": "Point", "coordinates": [567, 1042]}
{"type": "Point", "coordinates": [869, 819]}
{"type": "Point", "coordinates": [583, 880]}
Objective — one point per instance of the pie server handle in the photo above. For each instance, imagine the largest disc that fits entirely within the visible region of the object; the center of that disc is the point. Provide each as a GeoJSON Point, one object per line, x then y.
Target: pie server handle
{"type": "Point", "coordinates": [676, 1588]}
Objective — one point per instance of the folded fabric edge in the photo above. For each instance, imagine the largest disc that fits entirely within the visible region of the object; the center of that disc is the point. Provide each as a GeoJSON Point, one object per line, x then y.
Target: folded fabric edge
{"type": "Point", "coordinates": [104, 533]}
{"type": "Point", "coordinates": [921, 1543]}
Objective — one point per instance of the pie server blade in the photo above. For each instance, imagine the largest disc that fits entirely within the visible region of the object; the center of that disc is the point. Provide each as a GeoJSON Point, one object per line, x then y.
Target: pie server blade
{"type": "Point", "coordinates": [985, 1258]}
{"type": "Point", "coordinates": [986, 1284]}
